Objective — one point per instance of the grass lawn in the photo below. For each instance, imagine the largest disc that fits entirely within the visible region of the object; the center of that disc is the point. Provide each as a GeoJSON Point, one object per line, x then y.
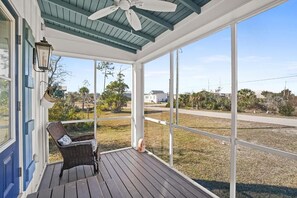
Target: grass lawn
{"type": "Point", "coordinates": [207, 161]}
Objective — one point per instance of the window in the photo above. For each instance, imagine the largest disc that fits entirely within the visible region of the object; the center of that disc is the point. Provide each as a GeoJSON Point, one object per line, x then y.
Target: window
{"type": "Point", "coordinates": [6, 82]}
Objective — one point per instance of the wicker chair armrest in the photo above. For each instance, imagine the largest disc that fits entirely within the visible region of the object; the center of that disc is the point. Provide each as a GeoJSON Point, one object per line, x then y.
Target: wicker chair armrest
{"type": "Point", "coordinates": [82, 137]}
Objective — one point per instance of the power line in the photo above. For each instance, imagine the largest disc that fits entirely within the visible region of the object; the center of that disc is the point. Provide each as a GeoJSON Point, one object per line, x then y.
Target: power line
{"type": "Point", "coordinates": [267, 79]}
{"type": "Point", "coordinates": [261, 80]}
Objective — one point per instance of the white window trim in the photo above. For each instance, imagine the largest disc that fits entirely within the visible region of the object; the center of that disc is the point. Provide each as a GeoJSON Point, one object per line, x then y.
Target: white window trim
{"type": "Point", "coordinates": [11, 79]}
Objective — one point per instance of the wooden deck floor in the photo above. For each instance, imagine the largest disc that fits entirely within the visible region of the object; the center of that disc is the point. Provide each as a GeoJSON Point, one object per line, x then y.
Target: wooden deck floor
{"type": "Point", "coordinates": [124, 173]}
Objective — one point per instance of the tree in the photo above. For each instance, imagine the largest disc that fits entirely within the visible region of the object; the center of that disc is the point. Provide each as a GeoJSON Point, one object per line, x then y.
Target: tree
{"type": "Point", "coordinates": [184, 100]}
{"type": "Point", "coordinates": [4, 97]}
{"type": "Point", "coordinates": [71, 98]}
{"type": "Point", "coordinates": [286, 108]}
{"type": "Point", "coordinates": [84, 91]}
{"type": "Point", "coordinates": [246, 99]}
{"type": "Point", "coordinates": [283, 102]}
{"type": "Point", "coordinates": [57, 72]}
{"type": "Point", "coordinates": [114, 96]}
{"type": "Point", "coordinates": [287, 94]}
{"type": "Point", "coordinates": [107, 70]}
{"type": "Point", "coordinates": [56, 76]}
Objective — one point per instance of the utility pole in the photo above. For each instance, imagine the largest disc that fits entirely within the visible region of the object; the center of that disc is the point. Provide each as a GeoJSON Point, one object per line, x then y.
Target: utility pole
{"type": "Point", "coordinates": [104, 79]}
{"type": "Point", "coordinates": [285, 95]}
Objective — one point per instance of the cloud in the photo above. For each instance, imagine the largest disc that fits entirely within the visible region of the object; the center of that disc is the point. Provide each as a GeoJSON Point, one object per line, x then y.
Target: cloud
{"type": "Point", "coordinates": [191, 68]}
{"type": "Point", "coordinates": [156, 73]}
{"type": "Point", "coordinates": [254, 58]}
{"type": "Point", "coordinates": [216, 58]}
{"type": "Point", "coordinates": [291, 65]}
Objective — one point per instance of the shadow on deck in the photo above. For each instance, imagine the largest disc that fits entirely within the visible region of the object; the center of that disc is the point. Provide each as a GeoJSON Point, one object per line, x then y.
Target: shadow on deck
{"type": "Point", "coordinates": [124, 173]}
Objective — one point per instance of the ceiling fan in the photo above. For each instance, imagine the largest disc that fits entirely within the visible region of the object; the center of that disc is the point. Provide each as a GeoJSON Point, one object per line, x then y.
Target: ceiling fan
{"type": "Point", "coordinates": [152, 5]}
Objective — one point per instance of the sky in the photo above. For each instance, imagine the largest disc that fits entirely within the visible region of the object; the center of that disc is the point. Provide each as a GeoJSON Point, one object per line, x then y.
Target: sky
{"type": "Point", "coordinates": [267, 59]}
{"type": "Point", "coordinates": [81, 70]}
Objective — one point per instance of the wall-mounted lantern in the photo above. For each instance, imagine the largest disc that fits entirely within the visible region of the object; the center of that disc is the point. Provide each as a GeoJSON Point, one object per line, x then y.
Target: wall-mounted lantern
{"type": "Point", "coordinates": [43, 52]}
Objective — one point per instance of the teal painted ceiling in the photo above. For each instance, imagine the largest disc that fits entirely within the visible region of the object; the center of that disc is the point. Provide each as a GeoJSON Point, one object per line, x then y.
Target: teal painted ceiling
{"type": "Point", "coordinates": [71, 16]}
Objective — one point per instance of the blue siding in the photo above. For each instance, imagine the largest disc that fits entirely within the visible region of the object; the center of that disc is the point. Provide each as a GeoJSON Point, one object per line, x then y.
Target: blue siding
{"type": "Point", "coordinates": [28, 122]}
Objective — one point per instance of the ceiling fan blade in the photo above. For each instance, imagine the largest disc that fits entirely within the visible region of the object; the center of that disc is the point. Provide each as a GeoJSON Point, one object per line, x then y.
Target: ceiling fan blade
{"type": "Point", "coordinates": [103, 12]}
{"type": "Point", "coordinates": [156, 5]}
{"type": "Point", "coordinates": [133, 19]}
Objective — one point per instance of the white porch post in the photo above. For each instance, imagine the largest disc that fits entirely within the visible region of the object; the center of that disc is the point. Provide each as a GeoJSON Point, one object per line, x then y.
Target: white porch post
{"type": "Point", "coordinates": [95, 99]}
{"type": "Point", "coordinates": [234, 77]}
{"type": "Point", "coordinates": [137, 104]}
{"type": "Point", "coordinates": [177, 88]}
{"type": "Point", "coordinates": [171, 109]}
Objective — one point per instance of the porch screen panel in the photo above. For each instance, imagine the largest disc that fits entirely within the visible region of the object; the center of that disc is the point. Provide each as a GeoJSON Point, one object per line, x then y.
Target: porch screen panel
{"type": "Point", "coordinates": [28, 121]}
{"type": "Point", "coordinates": [267, 102]}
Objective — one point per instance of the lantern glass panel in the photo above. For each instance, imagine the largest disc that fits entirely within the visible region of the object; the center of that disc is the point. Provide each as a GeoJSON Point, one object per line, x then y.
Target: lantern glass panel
{"type": "Point", "coordinates": [43, 56]}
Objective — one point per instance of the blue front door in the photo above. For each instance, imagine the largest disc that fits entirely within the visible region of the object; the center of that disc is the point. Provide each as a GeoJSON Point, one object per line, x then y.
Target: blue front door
{"type": "Point", "coordinates": [28, 86]}
{"type": "Point", "coordinates": [9, 143]}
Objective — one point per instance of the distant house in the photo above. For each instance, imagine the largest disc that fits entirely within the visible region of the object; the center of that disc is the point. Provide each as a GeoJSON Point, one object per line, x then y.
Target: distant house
{"type": "Point", "coordinates": [259, 95]}
{"type": "Point", "coordinates": [155, 96]}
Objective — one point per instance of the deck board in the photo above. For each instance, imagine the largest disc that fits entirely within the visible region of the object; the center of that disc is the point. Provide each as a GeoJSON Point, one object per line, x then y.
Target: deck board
{"type": "Point", "coordinates": [167, 177]}
{"type": "Point", "coordinates": [123, 173]}
{"type": "Point", "coordinates": [145, 182]}
{"type": "Point", "coordinates": [80, 172]}
{"type": "Point", "coordinates": [104, 173]}
{"type": "Point", "coordinates": [72, 174]}
{"type": "Point", "coordinates": [94, 187]}
{"type": "Point", "coordinates": [182, 182]}
{"type": "Point", "coordinates": [169, 174]}
{"type": "Point", "coordinates": [33, 195]}
{"type": "Point", "coordinates": [113, 189]}
{"type": "Point", "coordinates": [156, 182]}
{"type": "Point", "coordinates": [58, 191]}
{"type": "Point", "coordinates": [121, 179]}
{"type": "Point", "coordinates": [105, 190]}
{"type": "Point", "coordinates": [45, 193]}
{"type": "Point", "coordinates": [116, 161]}
{"type": "Point", "coordinates": [64, 179]}
{"type": "Point", "coordinates": [88, 170]}
{"type": "Point", "coordinates": [70, 190]}
{"type": "Point", "coordinates": [165, 182]}
{"type": "Point", "coordinates": [47, 177]}
{"type": "Point", "coordinates": [82, 188]}
{"type": "Point", "coordinates": [55, 181]}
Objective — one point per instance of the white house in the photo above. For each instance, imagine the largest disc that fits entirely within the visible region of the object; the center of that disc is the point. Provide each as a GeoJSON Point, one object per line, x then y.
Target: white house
{"type": "Point", "coordinates": [155, 96]}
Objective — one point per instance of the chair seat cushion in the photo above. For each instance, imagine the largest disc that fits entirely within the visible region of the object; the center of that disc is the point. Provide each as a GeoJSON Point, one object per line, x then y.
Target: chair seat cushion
{"type": "Point", "coordinates": [92, 141]}
{"type": "Point", "coordinates": [65, 140]}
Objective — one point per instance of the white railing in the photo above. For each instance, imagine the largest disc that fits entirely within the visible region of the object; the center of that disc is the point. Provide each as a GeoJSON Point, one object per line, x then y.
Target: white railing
{"type": "Point", "coordinates": [97, 119]}
{"type": "Point", "coordinates": [258, 147]}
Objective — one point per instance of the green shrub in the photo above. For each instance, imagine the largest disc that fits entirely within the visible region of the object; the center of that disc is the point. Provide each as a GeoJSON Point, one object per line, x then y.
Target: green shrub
{"type": "Point", "coordinates": [286, 109]}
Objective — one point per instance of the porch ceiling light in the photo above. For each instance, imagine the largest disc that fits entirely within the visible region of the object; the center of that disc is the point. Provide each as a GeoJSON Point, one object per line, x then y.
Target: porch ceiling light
{"type": "Point", "coordinates": [43, 52]}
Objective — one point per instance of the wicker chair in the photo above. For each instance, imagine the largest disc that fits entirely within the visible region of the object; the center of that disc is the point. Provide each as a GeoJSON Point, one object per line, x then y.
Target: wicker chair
{"type": "Point", "coordinates": [79, 152]}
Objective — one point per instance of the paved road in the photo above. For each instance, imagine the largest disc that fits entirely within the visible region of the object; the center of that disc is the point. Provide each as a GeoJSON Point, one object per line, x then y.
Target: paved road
{"type": "Point", "coordinates": [261, 119]}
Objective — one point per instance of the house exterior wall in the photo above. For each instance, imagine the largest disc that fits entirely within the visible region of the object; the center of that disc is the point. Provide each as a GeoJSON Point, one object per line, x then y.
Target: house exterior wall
{"type": "Point", "coordinates": [155, 98]}
{"type": "Point", "coordinates": [29, 10]}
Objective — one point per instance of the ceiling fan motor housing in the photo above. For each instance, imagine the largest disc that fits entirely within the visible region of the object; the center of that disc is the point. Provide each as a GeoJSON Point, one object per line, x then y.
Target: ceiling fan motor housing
{"type": "Point", "coordinates": [124, 4]}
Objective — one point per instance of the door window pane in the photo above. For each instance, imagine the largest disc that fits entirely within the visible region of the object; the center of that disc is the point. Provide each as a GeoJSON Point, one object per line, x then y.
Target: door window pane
{"type": "Point", "coordinates": [5, 81]}
{"type": "Point", "coordinates": [4, 45]}
{"type": "Point", "coordinates": [4, 111]}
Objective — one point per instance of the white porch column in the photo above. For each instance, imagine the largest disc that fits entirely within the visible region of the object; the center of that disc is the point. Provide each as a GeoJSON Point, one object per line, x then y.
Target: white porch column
{"type": "Point", "coordinates": [234, 76]}
{"type": "Point", "coordinates": [171, 81]}
{"type": "Point", "coordinates": [137, 104]}
{"type": "Point", "coordinates": [95, 99]}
